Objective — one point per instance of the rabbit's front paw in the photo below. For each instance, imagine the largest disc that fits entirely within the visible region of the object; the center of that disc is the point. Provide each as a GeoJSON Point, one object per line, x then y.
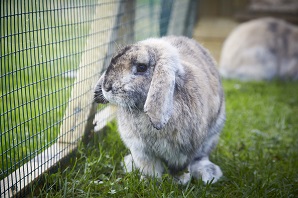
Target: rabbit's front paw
{"type": "Point", "coordinates": [206, 170]}
{"type": "Point", "coordinates": [183, 179]}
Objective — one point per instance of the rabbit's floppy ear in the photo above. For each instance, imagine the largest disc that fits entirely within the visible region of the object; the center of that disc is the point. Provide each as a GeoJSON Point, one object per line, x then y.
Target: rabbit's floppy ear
{"type": "Point", "coordinates": [160, 97]}
{"type": "Point", "coordinates": [98, 96]}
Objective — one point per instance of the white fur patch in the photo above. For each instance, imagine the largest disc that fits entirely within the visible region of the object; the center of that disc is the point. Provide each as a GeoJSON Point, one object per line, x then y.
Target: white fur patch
{"type": "Point", "coordinates": [206, 170]}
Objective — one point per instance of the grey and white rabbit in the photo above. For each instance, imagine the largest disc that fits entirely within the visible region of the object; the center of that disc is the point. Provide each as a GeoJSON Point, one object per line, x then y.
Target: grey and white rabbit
{"type": "Point", "coordinates": [171, 106]}
{"type": "Point", "coordinates": [261, 49]}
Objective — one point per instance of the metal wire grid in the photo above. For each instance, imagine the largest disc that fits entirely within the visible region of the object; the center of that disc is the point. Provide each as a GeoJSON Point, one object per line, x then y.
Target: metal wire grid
{"type": "Point", "coordinates": [42, 43]}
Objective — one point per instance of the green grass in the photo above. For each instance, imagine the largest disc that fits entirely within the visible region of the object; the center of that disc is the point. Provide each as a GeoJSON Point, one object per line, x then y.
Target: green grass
{"type": "Point", "coordinates": [258, 154]}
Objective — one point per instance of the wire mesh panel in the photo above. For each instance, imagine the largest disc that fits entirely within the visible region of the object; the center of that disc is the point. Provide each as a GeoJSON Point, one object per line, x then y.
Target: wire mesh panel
{"type": "Point", "coordinates": [52, 53]}
{"type": "Point", "coordinates": [37, 71]}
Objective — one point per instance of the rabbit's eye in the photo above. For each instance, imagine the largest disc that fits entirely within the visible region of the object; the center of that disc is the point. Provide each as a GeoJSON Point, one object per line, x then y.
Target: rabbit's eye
{"type": "Point", "coordinates": [141, 68]}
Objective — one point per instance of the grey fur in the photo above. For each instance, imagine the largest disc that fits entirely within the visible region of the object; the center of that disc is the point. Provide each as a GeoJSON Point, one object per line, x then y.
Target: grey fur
{"type": "Point", "coordinates": [170, 114]}
{"type": "Point", "coordinates": [261, 49]}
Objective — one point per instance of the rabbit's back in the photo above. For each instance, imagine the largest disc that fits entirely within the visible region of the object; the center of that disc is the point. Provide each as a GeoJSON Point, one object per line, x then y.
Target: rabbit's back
{"type": "Point", "coordinates": [202, 80]}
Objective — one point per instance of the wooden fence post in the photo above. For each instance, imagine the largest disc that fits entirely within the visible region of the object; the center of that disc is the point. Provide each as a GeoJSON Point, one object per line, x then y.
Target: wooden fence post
{"type": "Point", "coordinates": [81, 111]}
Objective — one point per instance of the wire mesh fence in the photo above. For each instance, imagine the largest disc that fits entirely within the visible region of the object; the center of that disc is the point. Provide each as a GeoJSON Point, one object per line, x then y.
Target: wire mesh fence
{"type": "Point", "coordinates": [52, 53]}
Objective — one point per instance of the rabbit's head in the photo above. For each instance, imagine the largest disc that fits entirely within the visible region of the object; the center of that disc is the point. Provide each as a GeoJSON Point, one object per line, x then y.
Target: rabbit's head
{"type": "Point", "coordinates": [142, 77]}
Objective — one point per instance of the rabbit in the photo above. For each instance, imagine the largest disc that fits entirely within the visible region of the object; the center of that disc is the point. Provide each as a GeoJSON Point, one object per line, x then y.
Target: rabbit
{"type": "Point", "coordinates": [261, 49]}
{"type": "Point", "coordinates": [170, 107]}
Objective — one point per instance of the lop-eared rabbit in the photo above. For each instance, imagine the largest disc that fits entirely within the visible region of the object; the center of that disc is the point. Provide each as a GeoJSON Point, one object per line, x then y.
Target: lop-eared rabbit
{"type": "Point", "coordinates": [261, 49]}
{"type": "Point", "coordinates": [171, 107]}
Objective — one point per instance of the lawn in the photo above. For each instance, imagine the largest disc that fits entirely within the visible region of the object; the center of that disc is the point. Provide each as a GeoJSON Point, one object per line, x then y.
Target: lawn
{"type": "Point", "coordinates": [258, 154]}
